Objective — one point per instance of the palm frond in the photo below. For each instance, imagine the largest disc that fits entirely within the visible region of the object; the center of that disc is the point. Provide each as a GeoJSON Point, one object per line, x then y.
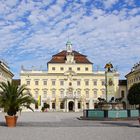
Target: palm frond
{"type": "Point", "coordinates": [12, 97]}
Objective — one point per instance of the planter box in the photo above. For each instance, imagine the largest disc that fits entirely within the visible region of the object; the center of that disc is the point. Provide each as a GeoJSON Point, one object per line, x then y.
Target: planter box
{"type": "Point", "coordinates": [133, 113]}
{"type": "Point", "coordinates": [95, 114]}
{"type": "Point", "coordinates": [117, 114]}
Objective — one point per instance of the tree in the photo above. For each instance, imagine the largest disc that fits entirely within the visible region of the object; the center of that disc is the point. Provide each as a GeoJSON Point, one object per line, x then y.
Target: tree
{"type": "Point", "coordinates": [134, 94]}
{"type": "Point", "coordinates": [13, 98]}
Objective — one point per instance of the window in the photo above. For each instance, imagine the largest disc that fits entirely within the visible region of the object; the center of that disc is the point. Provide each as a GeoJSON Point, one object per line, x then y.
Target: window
{"type": "Point", "coordinates": [86, 83]}
{"type": "Point", "coordinates": [95, 93]}
{"type": "Point", "coordinates": [70, 84]}
{"type": "Point", "coordinates": [79, 93]}
{"type": "Point", "coordinates": [62, 94]}
{"type": "Point", "coordinates": [45, 82]}
{"type": "Point", "coordinates": [28, 83]}
{"type": "Point", "coordinates": [70, 68]}
{"type": "Point", "coordinates": [53, 105]}
{"type": "Point", "coordinates": [53, 68]}
{"type": "Point", "coordinates": [53, 94]}
{"type": "Point", "coordinates": [36, 94]}
{"type": "Point", "coordinates": [36, 105]}
{"type": "Point", "coordinates": [103, 83]}
{"type": "Point", "coordinates": [87, 105]}
{"type": "Point", "coordinates": [61, 68]}
{"type": "Point", "coordinates": [78, 83]}
{"type": "Point", "coordinates": [36, 83]}
{"type": "Point", "coordinates": [45, 94]}
{"type": "Point", "coordinates": [53, 83]}
{"type": "Point", "coordinates": [78, 68]}
{"type": "Point", "coordinates": [79, 105]}
{"type": "Point", "coordinates": [61, 83]}
{"type": "Point", "coordinates": [86, 69]}
{"type": "Point", "coordinates": [87, 94]}
{"type": "Point", "coordinates": [122, 93]}
{"type": "Point", "coordinates": [62, 105]}
{"type": "Point", "coordinates": [95, 82]}
{"type": "Point", "coordinates": [103, 93]}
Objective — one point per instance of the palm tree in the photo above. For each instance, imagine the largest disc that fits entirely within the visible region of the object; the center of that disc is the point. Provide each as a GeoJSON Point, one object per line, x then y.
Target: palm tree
{"type": "Point", "coordinates": [14, 98]}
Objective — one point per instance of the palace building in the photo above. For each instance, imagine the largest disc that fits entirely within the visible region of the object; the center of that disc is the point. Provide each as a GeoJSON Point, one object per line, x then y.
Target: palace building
{"type": "Point", "coordinates": [69, 84]}
{"type": "Point", "coordinates": [5, 73]}
{"type": "Point", "coordinates": [133, 76]}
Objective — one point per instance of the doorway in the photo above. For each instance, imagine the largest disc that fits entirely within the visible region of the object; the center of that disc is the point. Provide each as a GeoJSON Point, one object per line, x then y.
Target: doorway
{"type": "Point", "coordinates": [71, 106]}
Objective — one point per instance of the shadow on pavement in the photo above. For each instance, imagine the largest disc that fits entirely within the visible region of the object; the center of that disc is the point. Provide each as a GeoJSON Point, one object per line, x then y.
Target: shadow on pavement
{"type": "Point", "coordinates": [73, 124]}
{"type": "Point", "coordinates": [123, 124]}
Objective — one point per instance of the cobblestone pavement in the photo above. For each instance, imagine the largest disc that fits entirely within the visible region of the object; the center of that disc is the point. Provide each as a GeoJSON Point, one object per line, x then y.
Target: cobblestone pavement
{"type": "Point", "coordinates": [66, 126]}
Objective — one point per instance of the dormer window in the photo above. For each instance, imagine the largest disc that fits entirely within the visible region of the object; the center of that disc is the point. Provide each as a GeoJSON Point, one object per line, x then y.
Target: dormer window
{"type": "Point", "coordinates": [53, 68]}
{"type": "Point", "coordinates": [36, 82]}
{"type": "Point", "coordinates": [86, 69]}
{"type": "Point", "coordinates": [28, 82]}
{"type": "Point", "coordinates": [70, 84]}
{"type": "Point", "coordinates": [78, 68]}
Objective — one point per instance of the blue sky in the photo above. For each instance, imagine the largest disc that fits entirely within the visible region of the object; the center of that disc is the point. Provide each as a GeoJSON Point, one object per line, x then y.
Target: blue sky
{"type": "Point", "coordinates": [31, 31]}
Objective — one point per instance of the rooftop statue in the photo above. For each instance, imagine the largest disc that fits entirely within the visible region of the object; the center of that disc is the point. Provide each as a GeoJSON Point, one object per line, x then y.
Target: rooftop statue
{"type": "Point", "coordinates": [108, 67]}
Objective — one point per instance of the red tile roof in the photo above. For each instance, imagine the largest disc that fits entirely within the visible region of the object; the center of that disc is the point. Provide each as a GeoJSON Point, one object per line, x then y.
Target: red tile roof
{"type": "Point", "coordinates": [61, 57]}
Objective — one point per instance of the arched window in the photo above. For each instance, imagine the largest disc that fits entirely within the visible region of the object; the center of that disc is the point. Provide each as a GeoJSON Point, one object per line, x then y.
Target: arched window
{"type": "Point", "coordinates": [62, 105]}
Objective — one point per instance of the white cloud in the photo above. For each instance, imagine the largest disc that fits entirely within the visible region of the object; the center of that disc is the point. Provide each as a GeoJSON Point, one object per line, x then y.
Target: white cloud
{"type": "Point", "coordinates": [109, 3]}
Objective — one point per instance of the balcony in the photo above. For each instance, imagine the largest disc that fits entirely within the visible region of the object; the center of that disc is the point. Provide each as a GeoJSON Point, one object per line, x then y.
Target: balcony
{"type": "Point", "coordinates": [72, 96]}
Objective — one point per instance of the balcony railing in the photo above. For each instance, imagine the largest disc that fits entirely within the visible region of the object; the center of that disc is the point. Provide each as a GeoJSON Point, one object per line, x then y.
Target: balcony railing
{"type": "Point", "coordinates": [72, 96]}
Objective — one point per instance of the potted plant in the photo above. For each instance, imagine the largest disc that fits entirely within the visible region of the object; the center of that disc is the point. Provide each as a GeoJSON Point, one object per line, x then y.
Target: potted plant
{"type": "Point", "coordinates": [12, 99]}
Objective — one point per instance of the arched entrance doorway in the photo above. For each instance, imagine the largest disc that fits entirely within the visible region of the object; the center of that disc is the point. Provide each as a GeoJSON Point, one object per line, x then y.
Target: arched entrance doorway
{"type": "Point", "coordinates": [71, 106]}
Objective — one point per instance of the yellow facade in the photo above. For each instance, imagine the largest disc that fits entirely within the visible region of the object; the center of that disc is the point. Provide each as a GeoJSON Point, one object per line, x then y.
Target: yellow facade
{"type": "Point", "coordinates": [68, 86]}
{"type": "Point", "coordinates": [133, 76]}
{"type": "Point", "coordinates": [5, 73]}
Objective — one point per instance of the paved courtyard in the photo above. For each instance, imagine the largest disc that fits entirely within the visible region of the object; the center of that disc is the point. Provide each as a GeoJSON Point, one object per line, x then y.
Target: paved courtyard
{"type": "Point", "coordinates": [66, 126]}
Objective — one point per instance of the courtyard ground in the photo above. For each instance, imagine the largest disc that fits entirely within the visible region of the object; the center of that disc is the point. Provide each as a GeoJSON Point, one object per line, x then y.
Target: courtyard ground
{"type": "Point", "coordinates": [66, 126]}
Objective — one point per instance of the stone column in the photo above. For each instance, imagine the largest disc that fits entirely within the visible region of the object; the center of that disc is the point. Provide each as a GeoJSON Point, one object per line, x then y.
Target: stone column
{"type": "Point", "coordinates": [76, 105]}
{"type": "Point", "coordinates": [42, 103]}
{"type": "Point", "coordinates": [82, 105]}
{"type": "Point", "coordinates": [91, 104]}
{"type": "Point", "coordinates": [50, 105]}
{"type": "Point", "coordinates": [67, 106]}
{"type": "Point", "coordinates": [57, 107]}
